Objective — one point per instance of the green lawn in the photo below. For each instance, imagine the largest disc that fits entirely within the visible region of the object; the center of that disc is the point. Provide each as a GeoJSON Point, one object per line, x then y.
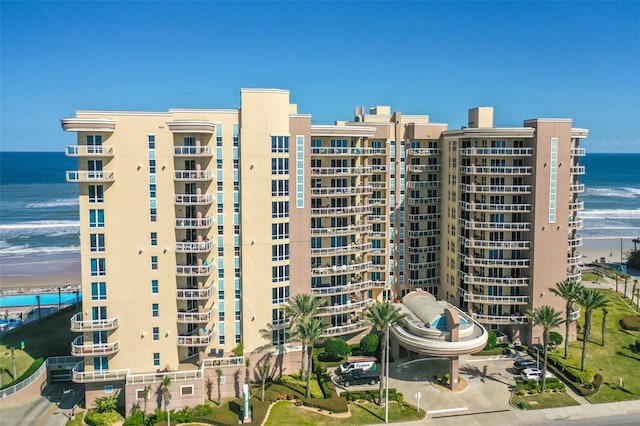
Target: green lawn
{"type": "Point", "coordinates": [544, 400]}
{"type": "Point", "coordinates": [362, 413]}
{"type": "Point", "coordinates": [23, 361]}
{"type": "Point", "coordinates": [613, 360]}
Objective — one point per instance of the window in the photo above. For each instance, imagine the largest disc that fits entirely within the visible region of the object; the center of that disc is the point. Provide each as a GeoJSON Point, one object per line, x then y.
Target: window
{"type": "Point", "coordinates": [152, 166]}
{"type": "Point", "coordinates": [99, 291]}
{"type": "Point", "coordinates": [155, 309]}
{"type": "Point", "coordinates": [278, 337]}
{"type": "Point", "coordinates": [156, 359]}
{"type": "Point", "coordinates": [140, 394]}
{"type": "Point", "coordinates": [279, 166]}
{"type": "Point", "coordinates": [299, 172]}
{"type": "Point", "coordinates": [154, 239]}
{"type": "Point", "coordinates": [154, 286]}
{"type": "Point", "coordinates": [96, 194]}
{"type": "Point", "coordinates": [152, 191]}
{"type": "Point", "coordinates": [279, 295]}
{"type": "Point", "coordinates": [96, 218]}
{"type": "Point", "coordinates": [279, 209]}
{"type": "Point", "coordinates": [98, 267]}
{"type": "Point", "coordinates": [280, 144]}
{"type": "Point", "coordinates": [280, 188]}
{"type": "Point", "coordinates": [186, 390]}
{"type": "Point", "coordinates": [153, 215]}
{"type": "Point", "coordinates": [280, 273]}
{"type": "Point", "coordinates": [278, 316]}
{"type": "Point", "coordinates": [154, 262]}
{"type": "Point", "coordinates": [97, 242]}
{"type": "Point", "coordinates": [151, 139]}
{"type": "Point", "coordinates": [156, 333]}
{"type": "Point", "coordinates": [279, 231]}
{"type": "Point", "coordinates": [280, 252]}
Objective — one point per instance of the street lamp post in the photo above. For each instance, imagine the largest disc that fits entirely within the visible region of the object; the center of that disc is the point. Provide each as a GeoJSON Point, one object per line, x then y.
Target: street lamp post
{"type": "Point", "coordinates": [386, 398]}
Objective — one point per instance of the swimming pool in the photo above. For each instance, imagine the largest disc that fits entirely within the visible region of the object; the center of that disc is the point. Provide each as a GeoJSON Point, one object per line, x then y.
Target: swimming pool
{"type": "Point", "coordinates": [32, 299]}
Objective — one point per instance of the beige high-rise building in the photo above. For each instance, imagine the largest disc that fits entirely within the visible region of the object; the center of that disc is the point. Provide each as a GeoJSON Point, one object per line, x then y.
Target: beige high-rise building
{"type": "Point", "coordinates": [198, 225]}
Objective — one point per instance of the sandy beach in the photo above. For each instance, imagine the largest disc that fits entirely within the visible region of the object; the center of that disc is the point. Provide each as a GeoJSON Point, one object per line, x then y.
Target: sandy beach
{"type": "Point", "coordinates": [47, 271]}
{"type": "Point", "coordinates": [609, 248]}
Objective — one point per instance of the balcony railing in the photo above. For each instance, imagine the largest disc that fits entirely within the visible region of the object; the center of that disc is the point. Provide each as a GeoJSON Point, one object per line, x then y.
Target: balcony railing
{"type": "Point", "coordinates": [193, 317]}
{"type": "Point", "coordinates": [379, 185]}
{"type": "Point", "coordinates": [574, 260]}
{"type": "Point", "coordinates": [194, 246]}
{"type": "Point", "coordinates": [89, 151]}
{"type": "Point", "coordinates": [347, 151]}
{"type": "Point", "coordinates": [338, 211]}
{"type": "Point", "coordinates": [507, 245]}
{"type": "Point", "coordinates": [423, 281]}
{"type": "Point", "coordinates": [193, 199]}
{"type": "Point", "coordinates": [515, 226]}
{"type": "Point", "coordinates": [424, 200]}
{"type": "Point", "coordinates": [377, 218]}
{"type": "Point", "coordinates": [578, 152]}
{"type": "Point", "coordinates": [575, 242]}
{"type": "Point", "coordinates": [345, 230]}
{"type": "Point", "coordinates": [423, 265]}
{"type": "Point", "coordinates": [175, 376]}
{"type": "Point", "coordinates": [352, 248]}
{"type": "Point", "coordinates": [348, 190]}
{"type": "Point", "coordinates": [232, 361]}
{"type": "Point", "coordinates": [490, 170]}
{"type": "Point", "coordinates": [423, 232]}
{"type": "Point", "coordinates": [577, 188]}
{"type": "Point", "coordinates": [193, 175]}
{"type": "Point", "coordinates": [349, 307]}
{"type": "Point", "coordinates": [501, 263]}
{"type": "Point", "coordinates": [81, 376]}
{"type": "Point", "coordinates": [90, 176]}
{"type": "Point", "coordinates": [423, 249]}
{"type": "Point", "coordinates": [424, 184]}
{"type": "Point", "coordinates": [420, 152]}
{"type": "Point", "coordinates": [197, 340]}
{"type": "Point", "coordinates": [193, 270]}
{"type": "Point", "coordinates": [493, 281]}
{"type": "Point", "coordinates": [200, 223]}
{"type": "Point", "coordinates": [340, 171]}
{"type": "Point", "coordinates": [346, 329]}
{"type": "Point", "coordinates": [576, 206]}
{"type": "Point", "coordinates": [577, 170]}
{"type": "Point", "coordinates": [192, 151]}
{"type": "Point", "coordinates": [419, 168]}
{"type": "Point", "coordinates": [499, 152]}
{"type": "Point", "coordinates": [576, 223]}
{"type": "Point", "coordinates": [79, 348]}
{"type": "Point", "coordinates": [349, 288]}
{"type": "Point", "coordinates": [489, 207]}
{"type": "Point", "coordinates": [79, 326]}
{"type": "Point", "coordinates": [497, 300]}
{"type": "Point", "coordinates": [424, 216]}
{"type": "Point", "coordinates": [497, 189]}
{"type": "Point", "coordinates": [195, 293]}
{"type": "Point", "coordinates": [575, 313]}
{"type": "Point", "coordinates": [500, 319]}
{"type": "Point", "coordinates": [342, 269]}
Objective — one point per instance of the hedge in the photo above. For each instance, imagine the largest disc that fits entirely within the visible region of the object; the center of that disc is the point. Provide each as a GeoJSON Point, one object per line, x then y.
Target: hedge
{"type": "Point", "coordinates": [372, 395]}
{"type": "Point", "coordinates": [631, 322]}
{"type": "Point", "coordinates": [32, 369]}
{"type": "Point", "coordinates": [299, 385]}
{"type": "Point", "coordinates": [94, 418]}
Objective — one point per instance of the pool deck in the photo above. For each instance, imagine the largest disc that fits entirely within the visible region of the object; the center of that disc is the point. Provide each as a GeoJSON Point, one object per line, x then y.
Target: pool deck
{"type": "Point", "coordinates": [39, 290]}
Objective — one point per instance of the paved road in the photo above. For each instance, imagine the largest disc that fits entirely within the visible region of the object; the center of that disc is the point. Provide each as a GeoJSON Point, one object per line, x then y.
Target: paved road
{"type": "Point", "coordinates": [52, 408]}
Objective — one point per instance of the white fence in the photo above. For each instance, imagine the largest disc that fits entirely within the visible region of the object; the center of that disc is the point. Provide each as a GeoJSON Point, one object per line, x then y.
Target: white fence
{"type": "Point", "coordinates": [23, 384]}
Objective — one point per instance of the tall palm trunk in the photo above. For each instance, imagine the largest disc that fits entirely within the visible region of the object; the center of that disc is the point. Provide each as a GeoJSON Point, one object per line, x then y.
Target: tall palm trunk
{"type": "Point", "coordinates": [383, 359]}
{"type": "Point", "coordinates": [545, 341]}
{"type": "Point", "coordinates": [13, 363]}
{"type": "Point", "coordinates": [310, 367]}
{"type": "Point", "coordinates": [304, 354]}
{"type": "Point", "coordinates": [585, 338]}
{"type": "Point", "coordinates": [567, 324]}
{"type": "Point", "coordinates": [604, 324]}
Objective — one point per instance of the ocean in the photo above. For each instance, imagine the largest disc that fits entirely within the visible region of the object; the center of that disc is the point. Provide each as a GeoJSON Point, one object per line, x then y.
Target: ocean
{"type": "Point", "coordinates": [39, 210]}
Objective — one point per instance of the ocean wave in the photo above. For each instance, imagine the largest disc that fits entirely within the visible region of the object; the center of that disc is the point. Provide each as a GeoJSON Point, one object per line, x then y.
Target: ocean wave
{"type": "Point", "coordinates": [45, 228]}
{"type": "Point", "coordinates": [40, 224]}
{"type": "Point", "coordinates": [614, 192]}
{"type": "Point", "coordinates": [62, 202]}
{"type": "Point", "coordinates": [611, 214]}
{"type": "Point", "coordinates": [25, 250]}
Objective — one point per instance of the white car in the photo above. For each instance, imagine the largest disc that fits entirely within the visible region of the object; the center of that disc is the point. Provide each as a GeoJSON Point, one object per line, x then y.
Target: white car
{"type": "Point", "coordinates": [534, 374]}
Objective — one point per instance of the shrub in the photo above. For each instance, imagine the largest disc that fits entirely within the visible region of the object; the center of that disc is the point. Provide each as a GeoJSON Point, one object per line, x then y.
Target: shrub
{"type": "Point", "coordinates": [491, 340]}
{"type": "Point", "coordinates": [295, 383]}
{"type": "Point", "coordinates": [136, 418]}
{"type": "Point", "coordinates": [369, 344]}
{"type": "Point", "coordinates": [631, 322]}
{"type": "Point", "coordinates": [555, 338]}
{"type": "Point", "coordinates": [202, 410]}
{"type": "Point", "coordinates": [336, 349]}
{"type": "Point", "coordinates": [372, 395]}
{"type": "Point", "coordinates": [94, 418]}
{"type": "Point", "coordinates": [597, 381]}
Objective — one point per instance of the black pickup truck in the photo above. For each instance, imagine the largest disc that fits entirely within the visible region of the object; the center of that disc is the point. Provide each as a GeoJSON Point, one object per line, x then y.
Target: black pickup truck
{"type": "Point", "coordinates": [359, 377]}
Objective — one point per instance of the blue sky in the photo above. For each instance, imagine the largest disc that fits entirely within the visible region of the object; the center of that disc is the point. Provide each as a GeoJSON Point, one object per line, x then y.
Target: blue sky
{"type": "Point", "coordinates": [533, 59]}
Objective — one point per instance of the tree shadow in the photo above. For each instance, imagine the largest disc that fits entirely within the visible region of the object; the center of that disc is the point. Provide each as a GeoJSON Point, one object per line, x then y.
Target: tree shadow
{"type": "Point", "coordinates": [369, 411]}
{"type": "Point", "coordinates": [475, 372]}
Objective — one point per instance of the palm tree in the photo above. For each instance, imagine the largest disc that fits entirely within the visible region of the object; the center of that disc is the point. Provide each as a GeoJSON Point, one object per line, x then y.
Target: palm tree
{"type": "Point", "coordinates": [264, 371]}
{"type": "Point", "coordinates": [549, 319]}
{"type": "Point", "coordinates": [633, 291]}
{"type": "Point", "coordinates": [146, 392]}
{"type": "Point", "coordinates": [604, 323]}
{"type": "Point", "coordinates": [569, 290]}
{"type": "Point", "coordinates": [310, 331]}
{"type": "Point", "coordinates": [106, 404]}
{"type": "Point", "coordinates": [382, 316]}
{"type": "Point", "coordinates": [247, 378]}
{"type": "Point", "coordinates": [590, 299]}
{"type": "Point", "coordinates": [625, 286]}
{"type": "Point", "coordinates": [219, 374]}
{"type": "Point", "coordinates": [301, 307]}
{"type": "Point", "coordinates": [13, 363]}
{"type": "Point", "coordinates": [166, 395]}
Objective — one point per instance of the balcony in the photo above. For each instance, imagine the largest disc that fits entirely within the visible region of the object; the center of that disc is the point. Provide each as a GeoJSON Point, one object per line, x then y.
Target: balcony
{"type": "Point", "coordinates": [577, 223]}
{"type": "Point", "coordinates": [424, 216]}
{"type": "Point", "coordinates": [341, 171]}
{"type": "Point", "coordinates": [346, 329]}
{"type": "Point", "coordinates": [192, 151]}
{"type": "Point", "coordinates": [490, 207]}
{"type": "Point", "coordinates": [195, 293]}
{"type": "Point", "coordinates": [193, 175]}
{"type": "Point", "coordinates": [575, 313]}
{"type": "Point", "coordinates": [576, 206]}
{"type": "Point", "coordinates": [379, 185]}
{"type": "Point", "coordinates": [377, 218]}
{"type": "Point", "coordinates": [578, 188]}
{"type": "Point", "coordinates": [341, 211]}
{"type": "Point", "coordinates": [339, 270]}
{"type": "Point", "coordinates": [195, 316]}
{"type": "Point", "coordinates": [497, 152]}
{"type": "Point", "coordinates": [82, 176]}
{"type": "Point", "coordinates": [89, 151]}
{"type": "Point", "coordinates": [346, 151]}
{"type": "Point", "coordinates": [194, 270]}
{"type": "Point", "coordinates": [422, 152]}
{"type": "Point", "coordinates": [192, 126]}
{"type": "Point", "coordinates": [507, 245]}
{"type": "Point", "coordinates": [345, 289]}
{"type": "Point", "coordinates": [501, 281]}
{"type": "Point", "coordinates": [578, 152]}
{"type": "Point", "coordinates": [349, 307]}
{"type": "Point", "coordinates": [342, 191]}
{"type": "Point", "coordinates": [499, 263]}
{"type": "Point", "coordinates": [79, 348]}
{"type": "Point", "coordinates": [195, 222]}
{"type": "Point", "coordinates": [423, 249]}
{"type": "Point", "coordinates": [80, 326]}
{"type": "Point", "coordinates": [500, 319]}
{"type": "Point", "coordinates": [419, 168]}
{"type": "Point", "coordinates": [574, 260]}
{"type": "Point", "coordinates": [423, 265]}
{"type": "Point", "coordinates": [512, 226]}
{"type": "Point", "coordinates": [424, 184]}
{"type": "Point", "coordinates": [193, 199]}
{"type": "Point", "coordinates": [489, 170]}
{"type": "Point", "coordinates": [497, 189]}
{"type": "Point", "coordinates": [330, 251]}
{"type": "Point", "coordinates": [575, 242]}
{"type": "Point", "coordinates": [577, 277]}
{"type": "Point", "coordinates": [496, 300]}
{"type": "Point", "coordinates": [421, 282]}
{"type": "Point", "coordinates": [204, 339]}
{"type": "Point", "coordinates": [577, 170]}
{"type": "Point", "coordinates": [195, 246]}
{"type": "Point", "coordinates": [345, 230]}
{"type": "Point", "coordinates": [81, 376]}
{"type": "Point", "coordinates": [423, 200]}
